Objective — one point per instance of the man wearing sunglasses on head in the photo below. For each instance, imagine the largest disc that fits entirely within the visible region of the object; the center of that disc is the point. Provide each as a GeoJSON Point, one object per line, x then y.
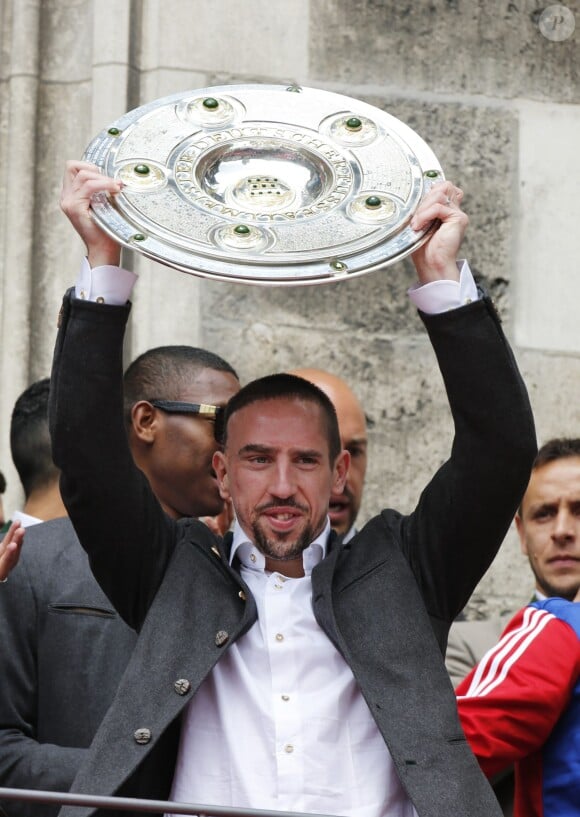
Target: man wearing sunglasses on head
{"type": "Point", "coordinates": [173, 404]}
{"type": "Point", "coordinates": [63, 648]}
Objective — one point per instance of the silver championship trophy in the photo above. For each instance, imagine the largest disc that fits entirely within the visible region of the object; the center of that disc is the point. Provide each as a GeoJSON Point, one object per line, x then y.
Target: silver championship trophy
{"type": "Point", "coordinates": [264, 184]}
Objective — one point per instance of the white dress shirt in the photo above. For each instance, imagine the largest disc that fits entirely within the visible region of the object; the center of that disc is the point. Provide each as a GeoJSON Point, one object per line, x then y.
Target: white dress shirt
{"type": "Point", "coordinates": [280, 723]}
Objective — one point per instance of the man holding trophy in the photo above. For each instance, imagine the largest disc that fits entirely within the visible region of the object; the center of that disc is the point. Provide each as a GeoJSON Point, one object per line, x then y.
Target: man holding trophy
{"type": "Point", "coordinates": [278, 668]}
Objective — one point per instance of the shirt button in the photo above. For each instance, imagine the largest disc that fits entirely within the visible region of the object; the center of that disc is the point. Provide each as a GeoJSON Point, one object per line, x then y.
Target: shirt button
{"type": "Point", "coordinates": [279, 637]}
{"type": "Point", "coordinates": [252, 557]}
{"type": "Point", "coordinates": [277, 587]}
{"type": "Point", "coordinates": [100, 300]}
{"type": "Point", "coordinates": [288, 748]}
{"type": "Point", "coordinates": [221, 638]}
{"type": "Point", "coordinates": [83, 294]}
{"type": "Point", "coordinates": [285, 697]}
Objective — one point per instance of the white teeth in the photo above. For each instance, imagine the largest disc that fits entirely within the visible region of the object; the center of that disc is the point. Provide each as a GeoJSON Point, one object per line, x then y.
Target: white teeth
{"type": "Point", "coordinates": [283, 517]}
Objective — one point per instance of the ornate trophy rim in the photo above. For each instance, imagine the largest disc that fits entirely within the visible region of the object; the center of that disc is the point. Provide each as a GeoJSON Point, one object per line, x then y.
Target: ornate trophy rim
{"type": "Point", "coordinates": [321, 190]}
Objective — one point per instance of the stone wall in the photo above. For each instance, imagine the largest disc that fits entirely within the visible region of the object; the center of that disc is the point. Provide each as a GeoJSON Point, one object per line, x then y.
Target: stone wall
{"type": "Point", "coordinates": [491, 86]}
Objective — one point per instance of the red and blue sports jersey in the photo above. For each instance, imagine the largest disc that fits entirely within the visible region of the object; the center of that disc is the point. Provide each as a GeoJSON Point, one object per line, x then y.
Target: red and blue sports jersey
{"type": "Point", "coordinates": [521, 706]}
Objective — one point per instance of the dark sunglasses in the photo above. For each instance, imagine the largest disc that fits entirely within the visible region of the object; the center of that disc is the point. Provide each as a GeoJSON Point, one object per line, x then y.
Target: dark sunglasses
{"type": "Point", "coordinates": [208, 412]}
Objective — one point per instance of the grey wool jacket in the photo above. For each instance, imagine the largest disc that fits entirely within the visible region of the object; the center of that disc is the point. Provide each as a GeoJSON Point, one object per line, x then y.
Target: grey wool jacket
{"type": "Point", "coordinates": [63, 651]}
{"type": "Point", "coordinates": [385, 600]}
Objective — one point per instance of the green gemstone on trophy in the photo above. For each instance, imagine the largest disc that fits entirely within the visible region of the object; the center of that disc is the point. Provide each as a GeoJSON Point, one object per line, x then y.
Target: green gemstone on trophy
{"type": "Point", "coordinates": [353, 123]}
{"type": "Point", "coordinates": [431, 174]}
{"type": "Point", "coordinates": [142, 170]}
{"type": "Point", "coordinates": [138, 237]}
{"type": "Point", "coordinates": [337, 265]}
{"type": "Point", "coordinates": [114, 131]}
{"type": "Point", "coordinates": [242, 229]}
{"type": "Point", "coordinates": [210, 103]}
{"type": "Point", "coordinates": [373, 202]}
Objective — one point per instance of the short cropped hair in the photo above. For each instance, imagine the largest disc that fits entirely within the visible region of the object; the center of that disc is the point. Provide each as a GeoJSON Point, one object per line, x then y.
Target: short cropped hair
{"type": "Point", "coordinates": [165, 372]}
{"type": "Point", "coordinates": [558, 448]}
{"type": "Point", "coordinates": [2, 483]}
{"type": "Point", "coordinates": [30, 440]}
{"type": "Point", "coordinates": [290, 387]}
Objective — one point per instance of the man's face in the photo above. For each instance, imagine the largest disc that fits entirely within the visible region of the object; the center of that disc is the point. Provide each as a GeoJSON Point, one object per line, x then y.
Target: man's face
{"type": "Point", "coordinates": [277, 471]}
{"type": "Point", "coordinates": [344, 505]}
{"type": "Point", "coordinates": [179, 465]}
{"type": "Point", "coordinates": [549, 527]}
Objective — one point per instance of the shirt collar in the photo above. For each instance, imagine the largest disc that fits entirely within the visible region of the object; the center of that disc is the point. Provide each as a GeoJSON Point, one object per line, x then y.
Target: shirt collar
{"type": "Point", "coordinates": [253, 559]}
{"type": "Point", "coordinates": [25, 518]}
{"type": "Point", "coordinates": [539, 596]}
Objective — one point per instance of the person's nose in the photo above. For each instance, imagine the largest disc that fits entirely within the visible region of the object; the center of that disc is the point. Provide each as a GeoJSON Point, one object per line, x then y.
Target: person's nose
{"type": "Point", "coordinates": [283, 484]}
{"type": "Point", "coordinates": [563, 526]}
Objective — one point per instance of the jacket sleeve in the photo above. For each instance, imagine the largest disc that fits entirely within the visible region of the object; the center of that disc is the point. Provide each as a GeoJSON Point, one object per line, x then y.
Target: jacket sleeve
{"type": "Point", "coordinates": [24, 761]}
{"type": "Point", "coordinates": [466, 509]}
{"type": "Point", "coordinates": [128, 537]}
{"type": "Point", "coordinates": [511, 701]}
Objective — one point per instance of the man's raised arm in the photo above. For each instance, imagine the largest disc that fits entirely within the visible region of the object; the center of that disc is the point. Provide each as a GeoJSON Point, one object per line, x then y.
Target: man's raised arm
{"type": "Point", "coordinates": [117, 518]}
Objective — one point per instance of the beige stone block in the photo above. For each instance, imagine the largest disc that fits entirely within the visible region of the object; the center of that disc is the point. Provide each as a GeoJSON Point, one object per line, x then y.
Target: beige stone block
{"type": "Point", "coordinates": [57, 249]}
{"type": "Point", "coordinates": [548, 284]}
{"type": "Point", "coordinates": [109, 97]}
{"type": "Point", "coordinates": [66, 40]}
{"type": "Point", "coordinates": [17, 186]}
{"type": "Point", "coordinates": [489, 48]}
{"type": "Point", "coordinates": [166, 308]}
{"type": "Point", "coordinates": [113, 29]}
{"type": "Point", "coordinates": [477, 148]}
{"type": "Point", "coordinates": [19, 37]}
{"type": "Point", "coordinates": [161, 82]}
{"type": "Point", "coordinates": [553, 382]}
{"type": "Point", "coordinates": [260, 37]}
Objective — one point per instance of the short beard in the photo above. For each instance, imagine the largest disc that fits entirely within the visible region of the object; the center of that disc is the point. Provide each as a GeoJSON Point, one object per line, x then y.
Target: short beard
{"type": "Point", "coordinates": [282, 551]}
{"type": "Point", "coordinates": [550, 591]}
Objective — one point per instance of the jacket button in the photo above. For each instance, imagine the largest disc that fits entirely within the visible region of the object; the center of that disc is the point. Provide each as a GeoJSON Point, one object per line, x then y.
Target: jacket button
{"type": "Point", "coordinates": [242, 595]}
{"type": "Point", "coordinates": [216, 552]}
{"type": "Point", "coordinates": [182, 686]}
{"type": "Point", "coordinates": [221, 638]}
{"type": "Point", "coordinates": [142, 736]}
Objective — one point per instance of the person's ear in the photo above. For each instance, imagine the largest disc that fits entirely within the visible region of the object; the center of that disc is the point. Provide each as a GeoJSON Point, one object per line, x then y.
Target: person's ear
{"type": "Point", "coordinates": [340, 471]}
{"type": "Point", "coordinates": [220, 466]}
{"type": "Point", "coordinates": [144, 420]}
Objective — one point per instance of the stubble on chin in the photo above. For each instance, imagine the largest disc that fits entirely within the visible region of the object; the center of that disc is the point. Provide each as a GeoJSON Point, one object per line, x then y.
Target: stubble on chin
{"type": "Point", "coordinates": [282, 551]}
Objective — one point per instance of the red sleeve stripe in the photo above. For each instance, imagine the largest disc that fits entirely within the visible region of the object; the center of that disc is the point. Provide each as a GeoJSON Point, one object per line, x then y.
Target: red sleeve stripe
{"type": "Point", "coordinates": [496, 663]}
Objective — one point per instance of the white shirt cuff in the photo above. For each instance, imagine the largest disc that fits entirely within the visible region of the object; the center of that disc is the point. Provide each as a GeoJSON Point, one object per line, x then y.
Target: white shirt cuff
{"type": "Point", "coordinates": [105, 285]}
{"type": "Point", "coordinates": [443, 295]}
